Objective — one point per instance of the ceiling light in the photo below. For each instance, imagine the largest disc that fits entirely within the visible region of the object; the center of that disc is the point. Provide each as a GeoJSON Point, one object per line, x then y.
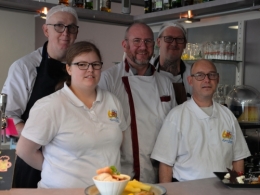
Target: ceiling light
{"type": "Point", "coordinates": [233, 27]}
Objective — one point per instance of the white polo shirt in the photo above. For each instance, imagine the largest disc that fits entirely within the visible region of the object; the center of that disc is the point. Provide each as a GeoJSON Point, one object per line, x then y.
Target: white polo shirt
{"type": "Point", "coordinates": [76, 140]}
{"type": "Point", "coordinates": [196, 145]}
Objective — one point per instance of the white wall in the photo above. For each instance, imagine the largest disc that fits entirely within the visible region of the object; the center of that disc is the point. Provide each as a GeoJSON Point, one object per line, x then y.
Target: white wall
{"type": "Point", "coordinates": [21, 33]}
{"type": "Point", "coordinates": [17, 38]}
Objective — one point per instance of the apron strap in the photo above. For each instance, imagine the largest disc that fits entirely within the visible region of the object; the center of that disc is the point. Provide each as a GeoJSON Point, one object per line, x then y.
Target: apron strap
{"type": "Point", "coordinates": [135, 144]}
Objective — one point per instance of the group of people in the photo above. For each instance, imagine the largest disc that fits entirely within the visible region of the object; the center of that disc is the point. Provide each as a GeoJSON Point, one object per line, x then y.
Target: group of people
{"type": "Point", "coordinates": [73, 119]}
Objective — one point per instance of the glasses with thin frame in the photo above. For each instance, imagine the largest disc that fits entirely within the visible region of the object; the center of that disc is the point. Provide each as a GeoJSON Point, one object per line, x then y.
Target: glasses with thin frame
{"type": "Point", "coordinates": [60, 28]}
{"type": "Point", "coordinates": [138, 42]}
{"type": "Point", "coordinates": [201, 76]}
{"type": "Point", "coordinates": [85, 65]}
{"type": "Point", "coordinates": [169, 39]}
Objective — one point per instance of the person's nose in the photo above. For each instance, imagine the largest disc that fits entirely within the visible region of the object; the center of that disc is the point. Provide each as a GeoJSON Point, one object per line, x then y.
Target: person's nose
{"type": "Point", "coordinates": [206, 79]}
{"type": "Point", "coordinates": [143, 44]}
{"type": "Point", "coordinates": [66, 31]}
{"type": "Point", "coordinates": [174, 42]}
{"type": "Point", "coordinates": [90, 68]}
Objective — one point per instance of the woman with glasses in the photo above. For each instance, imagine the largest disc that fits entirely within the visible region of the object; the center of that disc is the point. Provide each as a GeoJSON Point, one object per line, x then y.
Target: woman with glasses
{"type": "Point", "coordinates": [78, 127]}
{"type": "Point", "coordinates": [37, 75]}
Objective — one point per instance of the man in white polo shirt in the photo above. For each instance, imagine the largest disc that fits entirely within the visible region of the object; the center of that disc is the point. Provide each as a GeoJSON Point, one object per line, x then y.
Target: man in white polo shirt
{"type": "Point", "coordinates": [200, 136]}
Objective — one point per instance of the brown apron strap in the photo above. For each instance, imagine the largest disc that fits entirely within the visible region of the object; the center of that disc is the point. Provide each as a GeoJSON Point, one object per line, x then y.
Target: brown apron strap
{"type": "Point", "coordinates": [180, 93]}
{"type": "Point", "coordinates": [135, 145]}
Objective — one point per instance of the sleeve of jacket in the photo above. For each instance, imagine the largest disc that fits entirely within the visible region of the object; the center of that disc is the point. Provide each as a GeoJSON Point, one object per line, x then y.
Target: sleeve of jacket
{"type": "Point", "coordinates": [17, 89]}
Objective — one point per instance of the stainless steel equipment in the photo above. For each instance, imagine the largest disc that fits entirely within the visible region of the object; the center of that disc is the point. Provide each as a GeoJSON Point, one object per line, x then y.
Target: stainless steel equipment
{"type": "Point", "coordinates": [3, 102]}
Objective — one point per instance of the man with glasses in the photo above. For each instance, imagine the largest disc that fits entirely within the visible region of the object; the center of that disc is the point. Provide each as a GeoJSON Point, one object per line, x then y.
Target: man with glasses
{"type": "Point", "coordinates": [200, 136]}
{"type": "Point", "coordinates": [172, 41]}
{"type": "Point", "coordinates": [146, 97]}
{"type": "Point", "coordinates": [37, 75]}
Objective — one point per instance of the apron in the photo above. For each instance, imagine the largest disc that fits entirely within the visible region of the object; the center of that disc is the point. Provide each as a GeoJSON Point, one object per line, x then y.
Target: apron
{"type": "Point", "coordinates": [180, 92]}
{"type": "Point", "coordinates": [49, 74]}
{"type": "Point", "coordinates": [146, 121]}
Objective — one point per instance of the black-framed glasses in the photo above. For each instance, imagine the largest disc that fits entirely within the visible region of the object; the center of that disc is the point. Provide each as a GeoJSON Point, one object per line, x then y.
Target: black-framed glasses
{"type": "Point", "coordinates": [201, 76]}
{"type": "Point", "coordinates": [169, 39]}
{"type": "Point", "coordinates": [60, 28]}
{"type": "Point", "coordinates": [85, 65]}
{"type": "Point", "coordinates": [138, 42]}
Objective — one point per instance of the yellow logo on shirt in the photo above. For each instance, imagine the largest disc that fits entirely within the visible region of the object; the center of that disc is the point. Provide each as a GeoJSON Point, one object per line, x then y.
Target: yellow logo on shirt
{"type": "Point", "coordinates": [112, 115]}
{"type": "Point", "coordinates": [227, 136]}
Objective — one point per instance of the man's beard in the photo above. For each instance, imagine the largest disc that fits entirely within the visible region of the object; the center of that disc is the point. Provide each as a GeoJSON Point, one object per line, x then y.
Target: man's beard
{"type": "Point", "coordinates": [170, 66]}
{"type": "Point", "coordinates": [143, 62]}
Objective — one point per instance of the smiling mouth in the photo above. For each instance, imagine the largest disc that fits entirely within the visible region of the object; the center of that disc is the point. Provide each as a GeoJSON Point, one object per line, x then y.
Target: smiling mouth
{"type": "Point", "coordinates": [89, 76]}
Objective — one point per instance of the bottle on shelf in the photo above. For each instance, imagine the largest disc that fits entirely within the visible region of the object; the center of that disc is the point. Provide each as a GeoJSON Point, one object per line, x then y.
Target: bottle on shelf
{"type": "Point", "coordinates": [88, 4]}
{"type": "Point", "coordinates": [126, 6]}
{"type": "Point", "coordinates": [197, 1]}
{"type": "Point", "coordinates": [106, 5]}
{"type": "Point", "coordinates": [158, 5]}
{"type": "Point", "coordinates": [176, 3]}
{"type": "Point", "coordinates": [153, 5]}
{"type": "Point", "coordinates": [166, 4]}
{"type": "Point", "coordinates": [64, 2]}
{"type": "Point", "coordinates": [188, 2]}
{"type": "Point", "coordinates": [148, 6]}
{"type": "Point", "coordinates": [79, 3]}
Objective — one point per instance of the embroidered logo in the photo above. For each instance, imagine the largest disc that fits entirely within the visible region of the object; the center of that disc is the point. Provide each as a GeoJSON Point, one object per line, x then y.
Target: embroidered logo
{"type": "Point", "coordinates": [112, 115]}
{"type": "Point", "coordinates": [227, 136]}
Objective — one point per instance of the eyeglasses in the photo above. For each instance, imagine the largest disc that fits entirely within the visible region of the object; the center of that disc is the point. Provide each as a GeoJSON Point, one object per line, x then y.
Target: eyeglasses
{"type": "Point", "coordinates": [138, 42]}
{"type": "Point", "coordinates": [169, 39]}
{"type": "Point", "coordinates": [60, 28]}
{"type": "Point", "coordinates": [85, 65]}
{"type": "Point", "coordinates": [201, 76]}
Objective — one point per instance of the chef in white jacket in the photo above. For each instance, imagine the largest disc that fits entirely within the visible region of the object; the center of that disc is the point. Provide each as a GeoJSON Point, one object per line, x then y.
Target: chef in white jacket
{"type": "Point", "coordinates": [146, 97]}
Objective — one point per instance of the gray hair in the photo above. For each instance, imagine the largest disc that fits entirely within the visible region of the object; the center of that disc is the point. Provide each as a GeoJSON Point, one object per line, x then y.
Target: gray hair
{"type": "Point", "coordinates": [61, 8]}
{"type": "Point", "coordinates": [172, 24]}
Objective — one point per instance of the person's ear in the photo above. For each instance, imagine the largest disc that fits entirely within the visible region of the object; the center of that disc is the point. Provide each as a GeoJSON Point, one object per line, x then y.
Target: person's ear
{"type": "Point", "coordinates": [124, 45]}
{"type": "Point", "coordinates": [189, 78]}
{"type": "Point", "coordinates": [158, 41]}
{"type": "Point", "coordinates": [68, 68]}
{"type": "Point", "coordinates": [45, 30]}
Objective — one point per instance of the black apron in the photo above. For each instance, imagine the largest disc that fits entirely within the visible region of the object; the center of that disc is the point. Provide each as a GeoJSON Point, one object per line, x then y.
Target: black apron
{"type": "Point", "coordinates": [49, 74]}
{"type": "Point", "coordinates": [180, 92]}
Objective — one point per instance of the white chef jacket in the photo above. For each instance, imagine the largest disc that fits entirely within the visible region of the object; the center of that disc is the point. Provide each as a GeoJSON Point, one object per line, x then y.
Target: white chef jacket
{"type": "Point", "coordinates": [76, 140]}
{"type": "Point", "coordinates": [196, 145]}
{"type": "Point", "coordinates": [19, 84]}
{"type": "Point", "coordinates": [178, 79]}
{"type": "Point", "coordinates": [150, 112]}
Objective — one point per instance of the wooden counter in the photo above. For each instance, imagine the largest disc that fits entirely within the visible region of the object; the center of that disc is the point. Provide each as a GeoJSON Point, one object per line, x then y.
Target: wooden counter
{"type": "Point", "coordinates": [211, 186]}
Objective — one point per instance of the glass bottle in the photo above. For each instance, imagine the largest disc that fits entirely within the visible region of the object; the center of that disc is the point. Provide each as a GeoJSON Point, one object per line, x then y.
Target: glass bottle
{"type": "Point", "coordinates": [158, 5]}
{"type": "Point", "coordinates": [88, 4]}
{"type": "Point", "coordinates": [147, 6]}
{"type": "Point", "coordinates": [79, 3]}
{"type": "Point", "coordinates": [106, 5]}
{"type": "Point", "coordinates": [166, 4]}
{"type": "Point", "coordinates": [176, 3]}
{"type": "Point", "coordinates": [64, 2]}
{"type": "Point", "coordinates": [188, 2]}
{"type": "Point", "coordinates": [233, 52]}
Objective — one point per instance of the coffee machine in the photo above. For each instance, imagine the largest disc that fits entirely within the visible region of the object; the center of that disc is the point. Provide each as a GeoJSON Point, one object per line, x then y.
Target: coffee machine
{"type": "Point", "coordinates": [3, 118]}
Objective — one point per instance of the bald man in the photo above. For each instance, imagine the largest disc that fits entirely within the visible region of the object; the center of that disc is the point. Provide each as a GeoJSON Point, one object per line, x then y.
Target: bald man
{"type": "Point", "coordinates": [200, 136]}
